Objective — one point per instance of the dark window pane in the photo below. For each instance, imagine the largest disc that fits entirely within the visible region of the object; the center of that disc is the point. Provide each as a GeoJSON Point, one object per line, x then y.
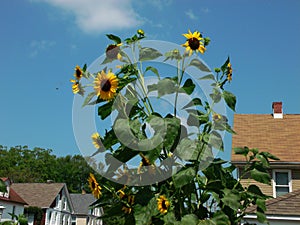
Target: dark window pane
{"type": "Point", "coordinates": [282, 178]}
{"type": "Point", "coordinates": [281, 191]}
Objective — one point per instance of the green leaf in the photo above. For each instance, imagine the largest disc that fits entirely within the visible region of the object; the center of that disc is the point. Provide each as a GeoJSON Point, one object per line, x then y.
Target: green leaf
{"type": "Point", "coordinates": [230, 99]}
{"type": "Point", "coordinates": [260, 176]}
{"type": "Point", "coordinates": [114, 38]}
{"type": "Point", "coordinates": [224, 66]}
{"type": "Point", "coordinates": [231, 199]}
{"type": "Point", "coordinates": [270, 156]}
{"type": "Point", "coordinates": [193, 102]}
{"type": "Point", "coordinates": [261, 203]}
{"type": "Point", "coordinates": [241, 151]}
{"type": "Point", "coordinates": [220, 218]}
{"type": "Point", "coordinates": [216, 95]}
{"type": "Point", "coordinates": [196, 117]}
{"type": "Point", "coordinates": [255, 190]}
{"type": "Point", "coordinates": [88, 98]}
{"type": "Point", "coordinates": [188, 86]}
{"type": "Point", "coordinates": [169, 219]}
{"type": "Point", "coordinates": [165, 86]}
{"type": "Point", "coordinates": [261, 217]}
{"type": "Point", "coordinates": [215, 139]}
{"type": "Point", "coordinates": [208, 77]}
{"type": "Point", "coordinates": [147, 53]}
{"type": "Point", "coordinates": [105, 110]}
{"type": "Point", "coordinates": [189, 219]}
{"type": "Point", "coordinates": [173, 133]}
{"type": "Point", "coordinates": [183, 177]}
{"type": "Point", "coordinates": [186, 148]}
{"type": "Point", "coordinates": [200, 65]}
{"type": "Point", "coordinates": [124, 133]}
{"type": "Point", "coordinates": [154, 70]}
{"type": "Point", "coordinates": [143, 214]}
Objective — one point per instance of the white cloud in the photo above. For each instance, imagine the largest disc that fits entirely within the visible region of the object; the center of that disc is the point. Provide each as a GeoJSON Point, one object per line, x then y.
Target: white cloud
{"type": "Point", "coordinates": [38, 46]}
{"type": "Point", "coordinates": [191, 15]}
{"type": "Point", "coordinates": [94, 16]}
{"type": "Point", "coordinates": [160, 4]}
{"type": "Point", "coordinates": [205, 10]}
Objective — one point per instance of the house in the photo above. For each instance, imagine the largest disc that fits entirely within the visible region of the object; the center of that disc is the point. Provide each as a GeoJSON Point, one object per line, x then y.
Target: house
{"type": "Point", "coordinates": [53, 199]}
{"type": "Point", "coordinates": [84, 213]}
{"type": "Point", "coordinates": [279, 134]}
{"type": "Point", "coordinates": [10, 202]}
{"type": "Point", "coordinates": [283, 210]}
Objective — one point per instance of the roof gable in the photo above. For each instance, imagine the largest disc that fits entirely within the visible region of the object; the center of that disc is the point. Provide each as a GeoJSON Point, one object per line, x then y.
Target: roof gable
{"type": "Point", "coordinates": [38, 194]}
{"type": "Point", "coordinates": [281, 137]}
{"type": "Point", "coordinates": [82, 202]}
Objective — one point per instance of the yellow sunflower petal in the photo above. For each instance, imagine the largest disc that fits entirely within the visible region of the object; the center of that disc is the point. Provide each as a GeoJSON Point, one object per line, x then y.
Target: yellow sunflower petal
{"type": "Point", "coordinates": [96, 140]}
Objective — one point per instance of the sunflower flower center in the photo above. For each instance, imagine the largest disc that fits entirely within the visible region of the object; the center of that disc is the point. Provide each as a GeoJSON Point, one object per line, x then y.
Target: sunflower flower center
{"type": "Point", "coordinates": [93, 185]}
{"type": "Point", "coordinates": [78, 73]}
{"type": "Point", "coordinates": [105, 85]}
{"type": "Point", "coordinates": [163, 204]}
{"type": "Point", "coordinates": [112, 51]}
{"type": "Point", "coordinates": [194, 43]}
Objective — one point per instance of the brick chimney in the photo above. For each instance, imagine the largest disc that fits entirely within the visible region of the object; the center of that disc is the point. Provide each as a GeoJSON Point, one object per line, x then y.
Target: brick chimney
{"type": "Point", "coordinates": [277, 110]}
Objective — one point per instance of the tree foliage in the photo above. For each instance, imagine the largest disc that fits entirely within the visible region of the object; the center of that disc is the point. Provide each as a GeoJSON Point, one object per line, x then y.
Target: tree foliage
{"type": "Point", "coordinates": [22, 164]}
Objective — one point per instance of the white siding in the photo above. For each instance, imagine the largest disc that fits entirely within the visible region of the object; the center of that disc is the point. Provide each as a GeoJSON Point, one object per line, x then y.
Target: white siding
{"type": "Point", "coordinates": [19, 209]}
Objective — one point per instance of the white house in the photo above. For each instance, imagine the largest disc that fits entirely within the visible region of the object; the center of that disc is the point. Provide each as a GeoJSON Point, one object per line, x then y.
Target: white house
{"type": "Point", "coordinates": [52, 198]}
{"type": "Point", "coordinates": [10, 202]}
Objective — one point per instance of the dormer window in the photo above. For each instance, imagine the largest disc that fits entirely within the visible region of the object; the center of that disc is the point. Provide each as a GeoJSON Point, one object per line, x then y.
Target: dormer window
{"type": "Point", "coordinates": [282, 183]}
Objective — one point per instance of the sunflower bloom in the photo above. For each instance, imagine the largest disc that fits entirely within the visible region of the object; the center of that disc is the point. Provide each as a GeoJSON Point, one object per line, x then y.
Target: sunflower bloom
{"type": "Point", "coordinates": [163, 204]}
{"type": "Point", "coordinates": [78, 73]}
{"type": "Point", "coordinates": [146, 162]}
{"type": "Point", "coordinates": [229, 72]}
{"type": "Point", "coordinates": [128, 208]}
{"type": "Point", "coordinates": [216, 117]}
{"type": "Point", "coordinates": [105, 85]}
{"type": "Point", "coordinates": [96, 140]}
{"type": "Point", "coordinates": [113, 52]}
{"type": "Point", "coordinates": [194, 42]}
{"type": "Point", "coordinates": [94, 186]}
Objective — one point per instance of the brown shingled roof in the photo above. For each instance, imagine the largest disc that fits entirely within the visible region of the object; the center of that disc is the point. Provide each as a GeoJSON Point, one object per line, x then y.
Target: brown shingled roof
{"type": "Point", "coordinates": [281, 137]}
{"type": "Point", "coordinates": [287, 205]}
{"type": "Point", "coordinates": [38, 194]}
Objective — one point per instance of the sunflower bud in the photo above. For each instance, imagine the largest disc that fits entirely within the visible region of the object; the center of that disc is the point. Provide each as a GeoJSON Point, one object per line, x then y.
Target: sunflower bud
{"type": "Point", "coordinates": [141, 32]}
{"type": "Point", "coordinates": [206, 41]}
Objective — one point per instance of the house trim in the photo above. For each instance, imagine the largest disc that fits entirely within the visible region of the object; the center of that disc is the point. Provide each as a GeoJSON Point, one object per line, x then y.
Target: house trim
{"type": "Point", "coordinates": [277, 217]}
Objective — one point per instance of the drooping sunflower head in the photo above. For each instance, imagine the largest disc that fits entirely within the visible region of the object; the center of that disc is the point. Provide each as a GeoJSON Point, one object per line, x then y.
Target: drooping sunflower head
{"type": "Point", "coordinates": [113, 51]}
{"type": "Point", "coordinates": [194, 42]}
{"type": "Point", "coordinates": [128, 207]}
{"type": "Point", "coordinates": [94, 186]}
{"type": "Point", "coordinates": [78, 73]}
{"type": "Point", "coordinates": [229, 72]}
{"type": "Point", "coordinates": [96, 140]}
{"type": "Point", "coordinates": [105, 85]}
{"type": "Point", "coordinates": [76, 87]}
{"type": "Point", "coordinates": [163, 204]}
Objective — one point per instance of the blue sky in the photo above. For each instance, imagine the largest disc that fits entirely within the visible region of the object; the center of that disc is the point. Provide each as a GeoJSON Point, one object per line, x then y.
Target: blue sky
{"type": "Point", "coordinates": [41, 42]}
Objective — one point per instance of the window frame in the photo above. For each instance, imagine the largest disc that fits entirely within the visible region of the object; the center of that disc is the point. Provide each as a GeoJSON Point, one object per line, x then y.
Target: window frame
{"type": "Point", "coordinates": [289, 172]}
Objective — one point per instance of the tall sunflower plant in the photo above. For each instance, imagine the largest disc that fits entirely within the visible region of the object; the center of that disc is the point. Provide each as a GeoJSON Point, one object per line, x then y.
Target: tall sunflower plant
{"type": "Point", "coordinates": [178, 178]}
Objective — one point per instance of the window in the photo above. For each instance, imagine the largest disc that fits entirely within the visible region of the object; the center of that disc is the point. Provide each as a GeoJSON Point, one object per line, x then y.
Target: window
{"type": "Point", "coordinates": [282, 183]}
